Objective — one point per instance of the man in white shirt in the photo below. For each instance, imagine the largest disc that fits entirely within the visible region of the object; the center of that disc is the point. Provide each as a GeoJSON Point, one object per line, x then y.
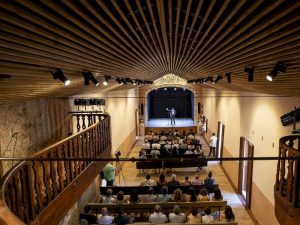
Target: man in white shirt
{"type": "Point", "coordinates": [148, 181]}
{"type": "Point", "coordinates": [104, 218]}
{"type": "Point", "coordinates": [213, 144]}
{"type": "Point", "coordinates": [177, 216]}
{"type": "Point", "coordinates": [158, 216]}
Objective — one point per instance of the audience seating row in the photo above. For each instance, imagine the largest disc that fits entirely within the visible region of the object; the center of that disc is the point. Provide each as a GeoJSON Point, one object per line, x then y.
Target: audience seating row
{"type": "Point", "coordinates": [142, 190]}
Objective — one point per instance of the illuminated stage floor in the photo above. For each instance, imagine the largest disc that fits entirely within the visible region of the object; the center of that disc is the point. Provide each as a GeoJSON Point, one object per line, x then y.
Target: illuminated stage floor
{"type": "Point", "coordinates": [180, 122]}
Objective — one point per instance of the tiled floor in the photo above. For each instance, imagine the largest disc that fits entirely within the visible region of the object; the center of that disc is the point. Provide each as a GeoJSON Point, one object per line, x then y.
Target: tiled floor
{"type": "Point", "coordinates": [132, 177]}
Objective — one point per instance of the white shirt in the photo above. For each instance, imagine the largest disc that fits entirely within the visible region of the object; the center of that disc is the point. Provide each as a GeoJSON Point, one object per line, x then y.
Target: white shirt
{"type": "Point", "coordinates": [148, 183]}
{"type": "Point", "coordinates": [213, 141]}
{"type": "Point", "coordinates": [180, 218]}
{"type": "Point", "coordinates": [104, 219]}
{"type": "Point", "coordinates": [158, 218]}
{"type": "Point", "coordinates": [207, 219]}
{"type": "Point", "coordinates": [188, 152]}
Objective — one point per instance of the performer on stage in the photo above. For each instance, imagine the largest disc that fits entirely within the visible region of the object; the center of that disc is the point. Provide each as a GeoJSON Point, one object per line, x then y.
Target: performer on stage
{"type": "Point", "coordinates": [172, 113]}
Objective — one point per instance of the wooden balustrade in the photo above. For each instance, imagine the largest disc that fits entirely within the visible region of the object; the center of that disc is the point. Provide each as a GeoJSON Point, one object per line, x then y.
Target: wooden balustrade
{"type": "Point", "coordinates": [29, 187]}
{"type": "Point", "coordinates": [287, 184]}
{"type": "Point", "coordinates": [86, 119]}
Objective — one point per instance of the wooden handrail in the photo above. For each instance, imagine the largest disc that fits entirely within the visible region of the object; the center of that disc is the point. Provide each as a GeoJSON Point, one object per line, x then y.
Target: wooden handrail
{"type": "Point", "coordinates": [287, 184]}
{"type": "Point", "coordinates": [30, 186]}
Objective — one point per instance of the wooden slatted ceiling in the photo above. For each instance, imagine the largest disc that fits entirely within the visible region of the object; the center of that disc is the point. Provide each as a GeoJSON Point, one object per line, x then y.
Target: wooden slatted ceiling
{"type": "Point", "coordinates": [145, 39]}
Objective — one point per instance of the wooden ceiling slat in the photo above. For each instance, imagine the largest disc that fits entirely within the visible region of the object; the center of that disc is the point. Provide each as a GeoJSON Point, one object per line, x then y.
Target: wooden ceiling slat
{"type": "Point", "coordinates": [178, 10]}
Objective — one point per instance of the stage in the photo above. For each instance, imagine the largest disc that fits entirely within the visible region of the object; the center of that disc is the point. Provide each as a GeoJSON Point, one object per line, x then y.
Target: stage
{"type": "Point", "coordinates": [163, 122]}
{"type": "Point", "coordinates": [157, 125]}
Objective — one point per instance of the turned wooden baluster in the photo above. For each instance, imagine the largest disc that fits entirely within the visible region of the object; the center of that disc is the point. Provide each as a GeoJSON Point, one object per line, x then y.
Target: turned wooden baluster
{"type": "Point", "coordinates": [290, 177]}
{"type": "Point", "coordinates": [47, 179]}
{"type": "Point", "coordinates": [12, 196]}
{"type": "Point", "coordinates": [75, 155]}
{"type": "Point", "coordinates": [66, 163]}
{"type": "Point", "coordinates": [90, 122]}
{"type": "Point", "coordinates": [80, 163]}
{"type": "Point", "coordinates": [17, 191]}
{"type": "Point", "coordinates": [38, 186]}
{"type": "Point", "coordinates": [282, 172]}
{"type": "Point", "coordinates": [78, 122]}
{"type": "Point", "coordinates": [28, 174]}
{"type": "Point", "coordinates": [25, 193]}
{"type": "Point", "coordinates": [84, 150]}
{"type": "Point", "coordinates": [71, 163]}
{"type": "Point", "coordinates": [277, 182]}
{"type": "Point", "coordinates": [60, 169]}
{"type": "Point", "coordinates": [53, 173]}
{"type": "Point", "coordinates": [83, 121]}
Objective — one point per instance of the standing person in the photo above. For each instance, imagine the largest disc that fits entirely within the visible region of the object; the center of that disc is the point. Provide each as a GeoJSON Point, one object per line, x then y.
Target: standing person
{"type": "Point", "coordinates": [172, 114]}
{"type": "Point", "coordinates": [213, 144]}
{"type": "Point", "coordinates": [109, 172]}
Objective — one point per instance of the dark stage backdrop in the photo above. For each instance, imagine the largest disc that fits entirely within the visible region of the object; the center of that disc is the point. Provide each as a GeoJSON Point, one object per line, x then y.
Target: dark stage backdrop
{"type": "Point", "coordinates": [180, 99]}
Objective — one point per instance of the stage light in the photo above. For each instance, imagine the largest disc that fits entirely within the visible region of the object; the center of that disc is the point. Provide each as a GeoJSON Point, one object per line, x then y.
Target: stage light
{"type": "Point", "coordinates": [250, 71]}
{"type": "Point", "coordinates": [107, 78]}
{"type": "Point", "coordinates": [219, 77]}
{"type": "Point", "coordinates": [165, 89]}
{"type": "Point", "coordinates": [175, 89]}
{"type": "Point", "coordinates": [228, 75]}
{"type": "Point", "coordinates": [209, 78]}
{"type": "Point", "coordinates": [134, 82]}
{"type": "Point", "coordinates": [89, 76]}
{"type": "Point", "coordinates": [58, 74]}
{"type": "Point", "coordinates": [278, 68]}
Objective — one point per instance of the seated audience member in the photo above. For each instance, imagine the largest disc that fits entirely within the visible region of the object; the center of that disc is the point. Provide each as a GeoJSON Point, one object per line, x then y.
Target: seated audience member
{"type": "Point", "coordinates": [164, 196]}
{"type": "Point", "coordinates": [164, 152]}
{"type": "Point", "coordinates": [197, 181]}
{"type": "Point", "coordinates": [150, 197]}
{"type": "Point", "coordinates": [162, 180]}
{"type": "Point", "coordinates": [104, 218]}
{"type": "Point", "coordinates": [209, 182]}
{"type": "Point", "coordinates": [174, 151]}
{"type": "Point", "coordinates": [155, 137]}
{"type": "Point", "coordinates": [199, 151]}
{"type": "Point", "coordinates": [143, 155]}
{"type": "Point", "coordinates": [175, 144]}
{"type": "Point", "coordinates": [176, 216]}
{"type": "Point", "coordinates": [163, 137]}
{"type": "Point", "coordinates": [194, 216]}
{"type": "Point", "coordinates": [156, 145]}
{"type": "Point", "coordinates": [191, 136]}
{"type": "Point", "coordinates": [146, 145]}
{"type": "Point", "coordinates": [217, 196]}
{"type": "Point", "coordinates": [158, 217]}
{"type": "Point", "coordinates": [134, 197]}
{"type": "Point", "coordinates": [186, 181]}
{"type": "Point", "coordinates": [88, 215]}
{"type": "Point", "coordinates": [154, 152]}
{"type": "Point", "coordinates": [173, 180]}
{"type": "Point", "coordinates": [120, 198]}
{"type": "Point", "coordinates": [168, 146]}
{"type": "Point", "coordinates": [192, 195]}
{"type": "Point", "coordinates": [188, 152]}
{"type": "Point", "coordinates": [148, 181]}
{"type": "Point", "coordinates": [178, 196]}
{"type": "Point", "coordinates": [121, 218]}
{"type": "Point", "coordinates": [175, 133]}
{"type": "Point", "coordinates": [203, 196]}
{"type": "Point", "coordinates": [183, 145]}
{"type": "Point", "coordinates": [108, 198]}
{"type": "Point", "coordinates": [207, 218]}
{"type": "Point", "coordinates": [227, 215]}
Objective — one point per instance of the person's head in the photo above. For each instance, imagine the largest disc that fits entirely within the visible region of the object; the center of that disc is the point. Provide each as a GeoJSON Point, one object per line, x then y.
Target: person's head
{"type": "Point", "coordinates": [162, 177]}
{"type": "Point", "coordinates": [108, 192]}
{"type": "Point", "coordinates": [176, 209]}
{"type": "Point", "coordinates": [229, 213]}
{"type": "Point", "coordinates": [213, 134]}
{"type": "Point", "coordinates": [104, 211]}
{"type": "Point", "coordinates": [173, 176]}
{"type": "Point", "coordinates": [134, 196]}
{"type": "Point", "coordinates": [186, 178]}
{"type": "Point", "coordinates": [177, 195]}
{"type": "Point", "coordinates": [120, 196]}
{"type": "Point", "coordinates": [209, 174]}
{"type": "Point", "coordinates": [194, 211]}
{"type": "Point", "coordinates": [87, 209]}
{"type": "Point", "coordinates": [164, 190]}
{"type": "Point", "coordinates": [157, 209]}
{"type": "Point", "coordinates": [120, 211]}
{"type": "Point", "coordinates": [150, 191]}
{"type": "Point", "coordinates": [192, 193]}
{"type": "Point", "coordinates": [203, 192]}
{"type": "Point", "coordinates": [207, 211]}
{"type": "Point", "coordinates": [197, 177]}
{"type": "Point", "coordinates": [217, 193]}
{"type": "Point", "coordinates": [148, 176]}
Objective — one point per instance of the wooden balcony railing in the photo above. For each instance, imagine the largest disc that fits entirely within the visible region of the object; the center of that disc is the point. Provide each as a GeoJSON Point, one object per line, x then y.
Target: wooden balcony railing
{"type": "Point", "coordinates": [31, 186]}
{"type": "Point", "coordinates": [85, 119]}
{"type": "Point", "coordinates": [287, 184]}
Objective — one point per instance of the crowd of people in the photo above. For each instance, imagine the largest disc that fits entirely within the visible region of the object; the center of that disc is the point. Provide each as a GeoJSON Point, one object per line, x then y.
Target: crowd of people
{"type": "Point", "coordinates": [171, 144]}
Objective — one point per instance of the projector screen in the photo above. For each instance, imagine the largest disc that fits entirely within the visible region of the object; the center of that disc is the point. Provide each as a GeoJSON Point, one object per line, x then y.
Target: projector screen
{"type": "Point", "coordinates": [178, 98]}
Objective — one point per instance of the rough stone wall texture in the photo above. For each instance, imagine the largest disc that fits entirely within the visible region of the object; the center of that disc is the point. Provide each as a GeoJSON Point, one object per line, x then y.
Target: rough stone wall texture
{"type": "Point", "coordinates": [27, 127]}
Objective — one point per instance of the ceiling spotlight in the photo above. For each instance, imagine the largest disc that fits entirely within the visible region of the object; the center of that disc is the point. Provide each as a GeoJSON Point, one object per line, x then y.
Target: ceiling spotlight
{"type": "Point", "coordinates": [219, 77]}
{"type": "Point", "coordinates": [250, 71]}
{"type": "Point", "coordinates": [209, 78]}
{"type": "Point", "coordinates": [134, 82]}
{"type": "Point", "coordinates": [175, 89]}
{"type": "Point", "coordinates": [107, 78]}
{"type": "Point", "coordinates": [228, 75]}
{"type": "Point", "coordinates": [89, 76]}
{"type": "Point", "coordinates": [58, 74]}
{"type": "Point", "coordinates": [165, 89]}
{"type": "Point", "coordinates": [278, 68]}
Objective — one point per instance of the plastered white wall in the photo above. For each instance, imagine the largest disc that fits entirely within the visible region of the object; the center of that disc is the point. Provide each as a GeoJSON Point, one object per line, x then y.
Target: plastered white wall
{"type": "Point", "coordinates": [257, 118]}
